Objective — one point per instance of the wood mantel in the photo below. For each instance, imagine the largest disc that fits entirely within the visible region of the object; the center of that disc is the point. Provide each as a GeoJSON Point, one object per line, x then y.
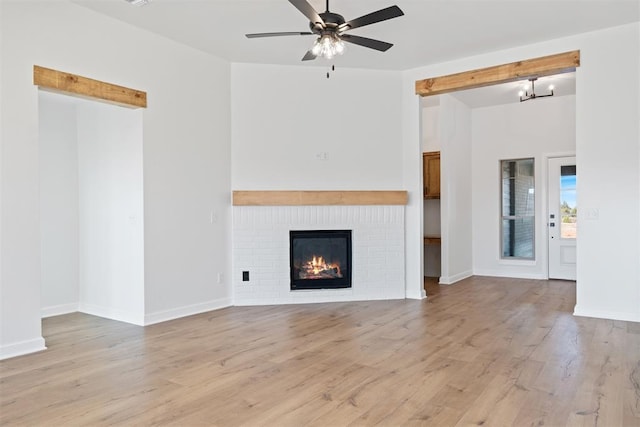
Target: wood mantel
{"type": "Point", "coordinates": [318, 198]}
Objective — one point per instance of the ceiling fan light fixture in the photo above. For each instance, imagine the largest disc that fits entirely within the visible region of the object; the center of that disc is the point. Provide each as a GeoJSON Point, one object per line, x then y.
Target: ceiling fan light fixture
{"type": "Point", "coordinates": [327, 46]}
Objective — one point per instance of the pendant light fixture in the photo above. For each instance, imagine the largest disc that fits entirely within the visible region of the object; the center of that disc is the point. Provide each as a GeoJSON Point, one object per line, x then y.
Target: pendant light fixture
{"type": "Point", "coordinates": [526, 95]}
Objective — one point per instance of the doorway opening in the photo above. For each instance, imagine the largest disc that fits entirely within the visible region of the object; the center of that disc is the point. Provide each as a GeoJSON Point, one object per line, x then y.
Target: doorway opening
{"type": "Point", "coordinates": [91, 208]}
{"type": "Point", "coordinates": [91, 196]}
{"type": "Point", "coordinates": [455, 229]}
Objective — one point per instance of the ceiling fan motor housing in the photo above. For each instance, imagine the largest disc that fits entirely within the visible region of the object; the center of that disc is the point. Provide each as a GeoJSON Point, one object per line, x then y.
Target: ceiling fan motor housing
{"type": "Point", "coordinates": [332, 22]}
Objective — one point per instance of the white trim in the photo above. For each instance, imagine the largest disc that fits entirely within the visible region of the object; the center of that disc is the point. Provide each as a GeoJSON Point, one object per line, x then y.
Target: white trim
{"type": "Point", "coordinates": [518, 262]}
{"type": "Point", "coordinates": [609, 315]}
{"type": "Point", "coordinates": [413, 295]}
{"type": "Point", "coordinates": [450, 280]}
{"type": "Point", "coordinates": [22, 348]}
{"type": "Point", "coordinates": [57, 310]}
{"type": "Point", "coordinates": [111, 313]}
{"type": "Point", "coordinates": [188, 310]}
{"type": "Point", "coordinates": [510, 274]}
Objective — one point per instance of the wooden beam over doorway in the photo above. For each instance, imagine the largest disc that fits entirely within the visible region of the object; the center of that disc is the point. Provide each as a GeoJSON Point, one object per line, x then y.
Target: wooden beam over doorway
{"type": "Point", "coordinates": [537, 67]}
{"type": "Point", "coordinates": [84, 87]}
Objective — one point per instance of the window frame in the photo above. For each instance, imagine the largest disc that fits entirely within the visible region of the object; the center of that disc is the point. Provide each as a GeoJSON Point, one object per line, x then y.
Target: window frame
{"type": "Point", "coordinates": [503, 217]}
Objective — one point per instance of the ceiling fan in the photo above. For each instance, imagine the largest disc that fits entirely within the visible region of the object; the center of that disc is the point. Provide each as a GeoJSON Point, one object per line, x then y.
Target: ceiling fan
{"type": "Point", "coordinates": [331, 28]}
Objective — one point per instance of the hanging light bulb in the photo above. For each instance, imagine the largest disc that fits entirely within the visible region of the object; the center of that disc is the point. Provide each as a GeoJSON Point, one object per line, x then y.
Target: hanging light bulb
{"type": "Point", "coordinates": [317, 48]}
{"type": "Point", "coordinates": [341, 47]}
{"type": "Point", "coordinates": [327, 47]}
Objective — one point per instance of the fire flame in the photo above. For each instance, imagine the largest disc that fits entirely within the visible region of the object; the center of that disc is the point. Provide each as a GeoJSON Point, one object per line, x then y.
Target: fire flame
{"type": "Point", "coordinates": [317, 267]}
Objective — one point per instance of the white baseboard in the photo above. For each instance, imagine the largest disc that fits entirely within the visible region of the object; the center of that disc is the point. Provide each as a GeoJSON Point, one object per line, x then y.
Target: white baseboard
{"type": "Point", "coordinates": [57, 310]}
{"type": "Point", "coordinates": [510, 274]}
{"type": "Point", "coordinates": [188, 310]}
{"type": "Point", "coordinates": [22, 348]}
{"type": "Point", "coordinates": [111, 313]}
{"type": "Point", "coordinates": [610, 315]}
{"type": "Point", "coordinates": [450, 280]}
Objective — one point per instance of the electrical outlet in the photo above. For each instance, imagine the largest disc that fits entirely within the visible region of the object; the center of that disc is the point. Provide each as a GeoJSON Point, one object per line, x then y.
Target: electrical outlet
{"type": "Point", "coordinates": [592, 214]}
{"type": "Point", "coordinates": [220, 278]}
{"type": "Point", "coordinates": [245, 276]}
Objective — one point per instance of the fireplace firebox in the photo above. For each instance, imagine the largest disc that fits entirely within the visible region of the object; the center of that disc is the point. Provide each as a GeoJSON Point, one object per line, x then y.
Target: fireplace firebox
{"type": "Point", "coordinates": [320, 259]}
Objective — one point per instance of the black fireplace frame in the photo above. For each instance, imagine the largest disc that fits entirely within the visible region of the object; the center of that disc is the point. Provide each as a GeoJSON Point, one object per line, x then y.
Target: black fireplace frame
{"type": "Point", "coordinates": [335, 283]}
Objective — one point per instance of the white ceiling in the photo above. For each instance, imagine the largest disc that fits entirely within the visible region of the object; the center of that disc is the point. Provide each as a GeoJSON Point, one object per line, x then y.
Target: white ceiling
{"type": "Point", "coordinates": [432, 31]}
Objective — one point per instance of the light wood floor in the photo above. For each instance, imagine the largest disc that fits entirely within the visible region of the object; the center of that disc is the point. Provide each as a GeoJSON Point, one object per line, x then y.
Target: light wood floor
{"type": "Point", "coordinates": [486, 351]}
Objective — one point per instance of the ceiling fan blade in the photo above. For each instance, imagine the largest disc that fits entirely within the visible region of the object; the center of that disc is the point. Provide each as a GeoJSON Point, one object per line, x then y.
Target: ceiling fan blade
{"type": "Point", "coordinates": [371, 18]}
{"type": "Point", "coordinates": [370, 43]}
{"type": "Point", "coordinates": [308, 11]}
{"type": "Point", "coordinates": [309, 56]}
{"type": "Point", "coordinates": [290, 33]}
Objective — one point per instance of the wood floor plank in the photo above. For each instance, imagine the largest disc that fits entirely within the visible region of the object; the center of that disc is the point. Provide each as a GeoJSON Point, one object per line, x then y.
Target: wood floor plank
{"type": "Point", "coordinates": [485, 351]}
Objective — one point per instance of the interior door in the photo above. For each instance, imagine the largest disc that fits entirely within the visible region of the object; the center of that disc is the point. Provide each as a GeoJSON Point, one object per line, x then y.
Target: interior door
{"type": "Point", "coordinates": [562, 218]}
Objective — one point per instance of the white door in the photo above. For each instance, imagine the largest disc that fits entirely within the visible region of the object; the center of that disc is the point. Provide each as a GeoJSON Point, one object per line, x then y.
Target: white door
{"type": "Point", "coordinates": [562, 218]}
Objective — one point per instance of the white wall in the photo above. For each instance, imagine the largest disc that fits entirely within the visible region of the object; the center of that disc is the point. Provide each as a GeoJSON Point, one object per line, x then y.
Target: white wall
{"type": "Point", "coordinates": [283, 117]}
{"type": "Point", "coordinates": [111, 216]}
{"type": "Point", "coordinates": [455, 207]}
{"type": "Point", "coordinates": [20, 245]}
{"type": "Point", "coordinates": [3, 293]}
{"type": "Point", "coordinates": [607, 153]}
{"type": "Point", "coordinates": [431, 126]}
{"type": "Point", "coordinates": [607, 148]}
{"type": "Point", "coordinates": [186, 154]}
{"type": "Point", "coordinates": [537, 129]}
{"type": "Point", "coordinates": [58, 179]}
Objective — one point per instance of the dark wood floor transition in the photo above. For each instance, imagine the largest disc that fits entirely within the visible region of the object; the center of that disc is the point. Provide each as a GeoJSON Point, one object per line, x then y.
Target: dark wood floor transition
{"type": "Point", "coordinates": [485, 351]}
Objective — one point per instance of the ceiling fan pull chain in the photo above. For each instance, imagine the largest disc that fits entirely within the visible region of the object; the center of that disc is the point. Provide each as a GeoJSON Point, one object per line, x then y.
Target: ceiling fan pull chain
{"type": "Point", "coordinates": [333, 68]}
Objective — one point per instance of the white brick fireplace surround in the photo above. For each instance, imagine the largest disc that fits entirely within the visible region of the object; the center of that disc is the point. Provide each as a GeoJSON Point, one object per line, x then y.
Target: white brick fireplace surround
{"type": "Point", "coordinates": [261, 245]}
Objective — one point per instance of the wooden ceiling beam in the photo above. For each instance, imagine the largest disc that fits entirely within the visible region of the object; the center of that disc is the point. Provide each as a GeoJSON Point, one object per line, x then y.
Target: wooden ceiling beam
{"type": "Point", "coordinates": [537, 67]}
{"type": "Point", "coordinates": [84, 87]}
